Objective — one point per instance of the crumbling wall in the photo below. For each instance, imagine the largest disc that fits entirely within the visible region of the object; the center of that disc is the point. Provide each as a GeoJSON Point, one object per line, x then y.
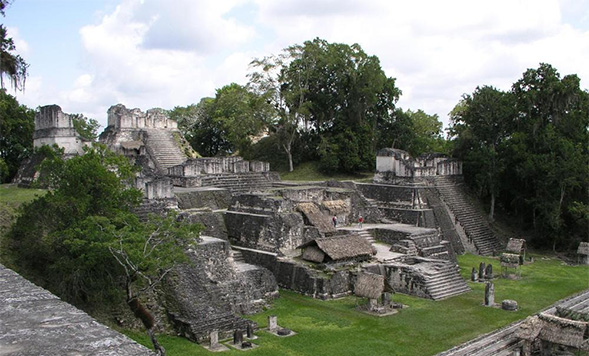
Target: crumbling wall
{"type": "Point", "coordinates": [302, 279]}
{"type": "Point", "coordinates": [53, 126]}
{"type": "Point", "coordinates": [213, 199]}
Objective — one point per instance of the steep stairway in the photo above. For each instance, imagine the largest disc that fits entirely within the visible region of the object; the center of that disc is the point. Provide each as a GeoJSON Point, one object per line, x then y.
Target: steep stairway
{"type": "Point", "coordinates": [470, 218]}
{"type": "Point", "coordinates": [240, 182]}
{"type": "Point", "coordinates": [367, 236]}
{"type": "Point", "coordinates": [164, 149]}
{"type": "Point", "coordinates": [445, 281]}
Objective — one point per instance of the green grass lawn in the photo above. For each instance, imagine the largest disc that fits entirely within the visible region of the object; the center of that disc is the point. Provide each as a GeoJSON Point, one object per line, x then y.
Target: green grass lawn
{"type": "Point", "coordinates": [424, 328]}
{"type": "Point", "coordinates": [309, 171]}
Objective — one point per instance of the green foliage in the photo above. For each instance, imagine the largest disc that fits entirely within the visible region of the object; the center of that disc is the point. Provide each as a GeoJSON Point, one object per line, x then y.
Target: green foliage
{"type": "Point", "coordinates": [85, 127]}
{"type": "Point", "coordinates": [332, 91]}
{"type": "Point", "coordinates": [81, 239]}
{"type": "Point", "coordinates": [332, 327]}
{"type": "Point", "coordinates": [528, 147]}
{"type": "Point", "coordinates": [12, 65]}
{"type": "Point", "coordinates": [17, 124]}
{"type": "Point", "coordinates": [223, 125]}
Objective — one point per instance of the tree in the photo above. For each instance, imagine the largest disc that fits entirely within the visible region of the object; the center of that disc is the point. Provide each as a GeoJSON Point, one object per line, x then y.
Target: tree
{"type": "Point", "coordinates": [17, 124]}
{"type": "Point", "coordinates": [481, 123]}
{"type": "Point", "coordinates": [12, 66]}
{"type": "Point", "coordinates": [82, 241]}
{"type": "Point", "coordinates": [85, 127]}
{"type": "Point", "coordinates": [527, 149]}
{"type": "Point", "coordinates": [327, 90]}
{"type": "Point", "coordinates": [226, 124]}
{"type": "Point", "coordinates": [549, 154]}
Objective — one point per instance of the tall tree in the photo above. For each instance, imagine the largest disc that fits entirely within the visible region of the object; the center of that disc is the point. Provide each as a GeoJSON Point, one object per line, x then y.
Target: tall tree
{"type": "Point", "coordinates": [17, 124]}
{"type": "Point", "coordinates": [12, 66]}
{"type": "Point", "coordinates": [334, 91]}
{"type": "Point", "coordinates": [550, 151]}
{"type": "Point", "coordinates": [481, 123]}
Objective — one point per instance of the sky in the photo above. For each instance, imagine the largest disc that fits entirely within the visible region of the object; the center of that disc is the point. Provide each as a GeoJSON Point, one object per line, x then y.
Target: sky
{"type": "Point", "coordinates": [87, 55]}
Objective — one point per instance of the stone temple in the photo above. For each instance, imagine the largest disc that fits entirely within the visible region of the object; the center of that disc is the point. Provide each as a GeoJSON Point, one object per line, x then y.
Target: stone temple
{"type": "Point", "coordinates": [262, 233]}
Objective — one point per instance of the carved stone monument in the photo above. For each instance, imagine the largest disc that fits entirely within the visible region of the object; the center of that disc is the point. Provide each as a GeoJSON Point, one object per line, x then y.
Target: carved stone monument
{"type": "Point", "coordinates": [489, 294]}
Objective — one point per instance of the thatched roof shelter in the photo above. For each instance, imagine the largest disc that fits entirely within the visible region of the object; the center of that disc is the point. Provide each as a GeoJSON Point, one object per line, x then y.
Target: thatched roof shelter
{"type": "Point", "coordinates": [554, 329]}
{"type": "Point", "coordinates": [369, 285]}
{"type": "Point", "coordinates": [516, 246]}
{"type": "Point", "coordinates": [336, 207]}
{"type": "Point", "coordinates": [583, 249]}
{"type": "Point", "coordinates": [316, 217]}
{"type": "Point", "coordinates": [562, 331]}
{"type": "Point", "coordinates": [337, 248]}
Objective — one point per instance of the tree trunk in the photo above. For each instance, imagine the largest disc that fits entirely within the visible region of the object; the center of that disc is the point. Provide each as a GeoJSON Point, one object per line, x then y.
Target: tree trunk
{"type": "Point", "coordinates": [287, 149]}
{"type": "Point", "coordinates": [147, 319]}
{"type": "Point", "coordinates": [492, 209]}
{"type": "Point", "coordinates": [159, 349]}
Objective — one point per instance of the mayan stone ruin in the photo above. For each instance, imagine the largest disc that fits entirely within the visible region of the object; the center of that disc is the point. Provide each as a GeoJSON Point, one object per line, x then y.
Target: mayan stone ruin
{"type": "Point", "coordinates": [261, 233]}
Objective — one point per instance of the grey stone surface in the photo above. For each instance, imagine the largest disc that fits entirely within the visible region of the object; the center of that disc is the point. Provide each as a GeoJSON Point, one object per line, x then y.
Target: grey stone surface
{"type": "Point", "coordinates": [35, 322]}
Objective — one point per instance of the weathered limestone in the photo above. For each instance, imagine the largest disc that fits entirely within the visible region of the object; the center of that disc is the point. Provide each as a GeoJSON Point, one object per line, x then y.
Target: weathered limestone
{"type": "Point", "coordinates": [272, 323]}
{"type": "Point", "coordinates": [489, 272]}
{"type": "Point", "coordinates": [583, 253]}
{"type": "Point", "coordinates": [36, 322]}
{"type": "Point", "coordinates": [392, 162]}
{"type": "Point", "coordinates": [52, 126]}
{"type": "Point", "coordinates": [509, 304]}
{"type": "Point", "coordinates": [489, 294]}
{"type": "Point", "coordinates": [482, 271]}
{"type": "Point", "coordinates": [474, 276]}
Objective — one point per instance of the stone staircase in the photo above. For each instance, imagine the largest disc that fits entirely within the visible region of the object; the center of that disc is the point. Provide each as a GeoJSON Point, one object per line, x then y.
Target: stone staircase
{"type": "Point", "coordinates": [164, 149]}
{"type": "Point", "coordinates": [407, 247]}
{"type": "Point", "coordinates": [240, 182]}
{"type": "Point", "coordinates": [470, 218]}
{"type": "Point", "coordinates": [198, 328]}
{"type": "Point", "coordinates": [445, 281]}
{"type": "Point", "coordinates": [366, 235]}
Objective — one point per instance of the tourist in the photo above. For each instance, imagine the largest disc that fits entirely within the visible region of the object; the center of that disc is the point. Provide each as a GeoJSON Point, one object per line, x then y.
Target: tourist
{"type": "Point", "coordinates": [334, 219]}
{"type": "Point", "coordinates": [360, 221]}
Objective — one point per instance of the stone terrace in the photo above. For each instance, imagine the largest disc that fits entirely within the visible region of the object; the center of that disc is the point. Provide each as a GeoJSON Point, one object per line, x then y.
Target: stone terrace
{"type": "Point", "coordinates": [35, 322]}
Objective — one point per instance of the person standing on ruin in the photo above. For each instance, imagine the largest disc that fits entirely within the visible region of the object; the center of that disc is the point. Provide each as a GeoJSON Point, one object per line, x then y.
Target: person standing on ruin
{"type": "Point", "coordinates": [334, 219]}
{"type": "Point", "coordinates": [360, 221]}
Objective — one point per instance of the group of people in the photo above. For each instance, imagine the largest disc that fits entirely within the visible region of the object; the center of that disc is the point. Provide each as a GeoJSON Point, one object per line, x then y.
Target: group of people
{"type": "Point", "coordinates": [360, 221]}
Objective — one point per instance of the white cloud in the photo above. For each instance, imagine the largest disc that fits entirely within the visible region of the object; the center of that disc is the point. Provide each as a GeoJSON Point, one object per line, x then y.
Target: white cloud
{"type": "Point", "coordinates": [152, 54]}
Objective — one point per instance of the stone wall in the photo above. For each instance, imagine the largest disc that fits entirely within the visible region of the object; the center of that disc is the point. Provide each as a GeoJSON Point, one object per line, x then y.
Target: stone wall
{"type": "Point", "coordinates": [400, 164]}
{"type": "Point", "coordinates": [217, 165]}
{"type": "Point", "coordinates": [53, 126]}
{"type": "Point", "coordinates": [300, 278]}
{"type": "Point", "coordinates": [119, 117]}
{"type": "Point", "coordinates": [207, 294]}
{"type": "Point", "coordinates": [203, 198]}
{"type": "Point", "coordinates": [280, 233]}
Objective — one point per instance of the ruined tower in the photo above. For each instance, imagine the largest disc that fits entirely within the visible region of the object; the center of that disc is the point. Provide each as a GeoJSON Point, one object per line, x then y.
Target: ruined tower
{"type": "Point", "coordinates": [53, 126]}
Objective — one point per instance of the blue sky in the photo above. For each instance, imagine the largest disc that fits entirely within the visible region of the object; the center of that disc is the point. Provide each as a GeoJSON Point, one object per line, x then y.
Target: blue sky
{"type": "Point", "coordinates": [86, 55]}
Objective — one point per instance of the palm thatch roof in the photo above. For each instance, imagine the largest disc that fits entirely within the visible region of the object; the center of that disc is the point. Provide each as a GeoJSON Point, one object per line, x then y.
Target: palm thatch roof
{"type": "Point", "coordinates": [562, 331]}
{"type": "Point", "coordinates": [316, 217]}
{"type": "Point", "coordinates": [516, 246]}
{"type": "Point", "coordinates": [369, 285]}
{"type": "Point", "coordinates": [555, 329]}
{"type": "Point", "coordinates": [583, 248]}
{"type": "Point", "coordinates": [342, 247]}
{"type": "Point", "coordinates": [336, 207]}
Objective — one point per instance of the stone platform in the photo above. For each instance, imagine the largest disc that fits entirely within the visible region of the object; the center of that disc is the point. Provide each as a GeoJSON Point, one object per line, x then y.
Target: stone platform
{"type": "Point", "coordinates": [35, 322]}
